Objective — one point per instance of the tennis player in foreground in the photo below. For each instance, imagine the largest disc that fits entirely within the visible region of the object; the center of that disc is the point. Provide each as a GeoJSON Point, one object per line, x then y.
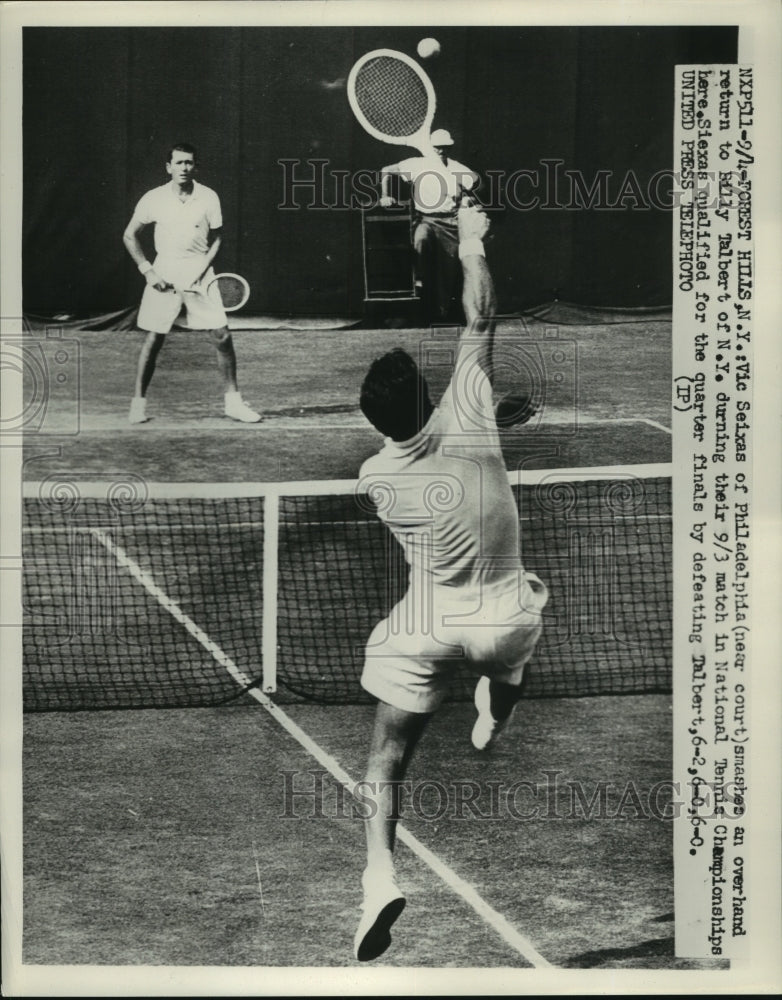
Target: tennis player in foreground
{"type": "Point", "coordinates": [442, 489]}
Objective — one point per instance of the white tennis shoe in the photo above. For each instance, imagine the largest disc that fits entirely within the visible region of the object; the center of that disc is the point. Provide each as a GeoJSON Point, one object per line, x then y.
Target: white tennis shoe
{"type": "Point", "coordinates": [237, 409]}
{"type": "Point", "coordinates": [486, 728]}
{"type": "Point", "coordinates": [138, 410]}
{"type": "Point", "coordinates": [383, 903]}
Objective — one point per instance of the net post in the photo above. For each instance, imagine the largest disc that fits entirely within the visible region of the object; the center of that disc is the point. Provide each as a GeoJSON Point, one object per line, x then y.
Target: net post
{"type": "Point", "coordinates": [271, 528]}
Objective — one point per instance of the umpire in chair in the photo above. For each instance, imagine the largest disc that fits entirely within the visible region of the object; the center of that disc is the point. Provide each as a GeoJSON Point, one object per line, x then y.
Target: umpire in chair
{"type": "Point", "coordinates": [438, 184]}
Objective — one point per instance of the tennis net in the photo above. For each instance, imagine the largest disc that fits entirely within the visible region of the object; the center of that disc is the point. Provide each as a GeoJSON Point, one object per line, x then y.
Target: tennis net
{"type": "Point", "coordinates": [160, 595]}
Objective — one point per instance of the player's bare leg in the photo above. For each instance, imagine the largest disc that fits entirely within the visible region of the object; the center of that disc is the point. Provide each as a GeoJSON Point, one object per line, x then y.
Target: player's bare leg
{"type": "Point", "coordinates": [394, 738]}
{"type": "Point", "coordinates": [503, 699]}
{"type": "Point", "coordinates": [147, 360]}
{"type": "Point", "coordinates": [235, 407]}
{"type": "Point", "coordinates": [226, 358]}
{"type": "Point", "coordinates": [424, 245]}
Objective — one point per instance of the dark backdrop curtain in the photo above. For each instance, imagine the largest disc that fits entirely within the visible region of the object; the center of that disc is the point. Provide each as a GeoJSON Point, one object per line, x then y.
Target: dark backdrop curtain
{"type": "Point", "coordinates": [102, 106]}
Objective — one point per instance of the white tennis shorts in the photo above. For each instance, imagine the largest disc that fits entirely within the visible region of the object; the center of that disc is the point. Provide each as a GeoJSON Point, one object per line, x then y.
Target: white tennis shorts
{"type": "Point", "coordinates": [191, 309]}
{"type": "Point", "coordinates": [412, 654]}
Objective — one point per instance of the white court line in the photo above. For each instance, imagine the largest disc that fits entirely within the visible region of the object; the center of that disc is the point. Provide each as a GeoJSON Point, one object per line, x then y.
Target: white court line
{"type": "Point", "coordinates": [652, 423]}
{"type": "Point", "coordinates": [468, 893]}
{"type": "Point", "coordinates": [271, 423]}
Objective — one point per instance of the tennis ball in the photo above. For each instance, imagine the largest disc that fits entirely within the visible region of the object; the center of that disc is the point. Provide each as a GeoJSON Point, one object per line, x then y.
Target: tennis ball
{"type": "Point", "coordinates": [428, 48]}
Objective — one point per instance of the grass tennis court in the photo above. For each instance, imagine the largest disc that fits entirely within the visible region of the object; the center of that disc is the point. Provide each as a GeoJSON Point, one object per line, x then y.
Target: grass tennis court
{"type": "Point", "coordinates": [143, 831]}
{"type": "Point", "coordinates": [604, 412]}
{"type": "Point", "coordinates": [159, 837]}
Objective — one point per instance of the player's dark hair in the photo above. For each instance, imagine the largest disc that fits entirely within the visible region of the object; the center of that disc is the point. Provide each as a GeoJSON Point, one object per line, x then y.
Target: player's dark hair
{"type": "Point", "coordinates": [395, 396]}
{"type": "Point", "coordinates": [182, 147]}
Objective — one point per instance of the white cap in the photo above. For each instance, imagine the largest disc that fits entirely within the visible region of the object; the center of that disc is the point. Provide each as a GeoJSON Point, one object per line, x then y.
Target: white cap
{"type": "Point", "coordinates": [441, 137]}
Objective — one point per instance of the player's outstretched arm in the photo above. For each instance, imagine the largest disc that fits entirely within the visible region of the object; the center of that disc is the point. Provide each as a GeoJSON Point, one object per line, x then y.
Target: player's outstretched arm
{"type": "Point", "coordinates": [478, 296]}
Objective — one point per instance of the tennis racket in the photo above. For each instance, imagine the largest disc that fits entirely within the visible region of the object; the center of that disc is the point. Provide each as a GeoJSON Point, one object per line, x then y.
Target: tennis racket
{"type": "Point", "coordinates": [393, 99]}
{"type": "Point", "coordinates": [234, 290]}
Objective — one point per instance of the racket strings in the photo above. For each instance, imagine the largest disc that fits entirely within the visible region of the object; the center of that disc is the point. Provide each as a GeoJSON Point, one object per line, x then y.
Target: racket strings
{"type": "Point", "coordinates": [391, 96]}
{"type": "Point", "coordinates": [233, 291]}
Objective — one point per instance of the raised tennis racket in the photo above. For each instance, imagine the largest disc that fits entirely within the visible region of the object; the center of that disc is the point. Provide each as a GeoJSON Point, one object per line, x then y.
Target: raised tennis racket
{"type": "Point", "coordinates": [234, 289]}
{"type": "Point", "coordinates": [393, 99]}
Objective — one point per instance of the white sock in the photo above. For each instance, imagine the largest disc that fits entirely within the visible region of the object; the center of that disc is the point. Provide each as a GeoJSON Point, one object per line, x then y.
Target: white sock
{"type": "Point", "coordinates": [380, 865]}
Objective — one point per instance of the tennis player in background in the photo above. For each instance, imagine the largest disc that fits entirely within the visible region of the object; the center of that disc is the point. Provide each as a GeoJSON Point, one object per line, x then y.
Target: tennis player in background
{"type": "Point", "coordinates": [188, 233]}
{"type": "Point", "coordinates": [441, 487]}
{"type": "Point", "coordinates": [437, 187]}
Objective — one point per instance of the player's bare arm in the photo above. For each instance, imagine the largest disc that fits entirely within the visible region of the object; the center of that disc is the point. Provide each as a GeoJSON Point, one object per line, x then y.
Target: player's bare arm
{"type": "Point", "coordinates": [136, 251]}
{"type": "Point", "coordinates": [478, 296]}
{"type": "Point", "coordinates": [480, 306]}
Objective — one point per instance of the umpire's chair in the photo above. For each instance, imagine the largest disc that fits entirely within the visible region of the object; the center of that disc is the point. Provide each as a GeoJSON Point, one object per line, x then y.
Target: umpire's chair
{"type": "Point", "coordinates": [389, 278]}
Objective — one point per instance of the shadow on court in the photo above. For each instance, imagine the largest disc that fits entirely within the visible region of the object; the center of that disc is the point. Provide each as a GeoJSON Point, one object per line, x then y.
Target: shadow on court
{"type": "Point", "coordinates": [596, 409]}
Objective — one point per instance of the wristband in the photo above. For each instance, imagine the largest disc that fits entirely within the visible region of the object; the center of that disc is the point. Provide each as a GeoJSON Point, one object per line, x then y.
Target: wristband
{"type": "Point", "coordinates": [471, 246]}
{"type": "Point", "coordinates": [146, 266]}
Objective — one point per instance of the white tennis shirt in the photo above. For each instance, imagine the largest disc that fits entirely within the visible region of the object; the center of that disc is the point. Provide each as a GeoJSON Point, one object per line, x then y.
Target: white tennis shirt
{"type": "Point", "coordinates": [181, 227]}
{"type": "Point", "coordinates": [444, 494]}
{"type": "Point", "coordinates": [436, 185]}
